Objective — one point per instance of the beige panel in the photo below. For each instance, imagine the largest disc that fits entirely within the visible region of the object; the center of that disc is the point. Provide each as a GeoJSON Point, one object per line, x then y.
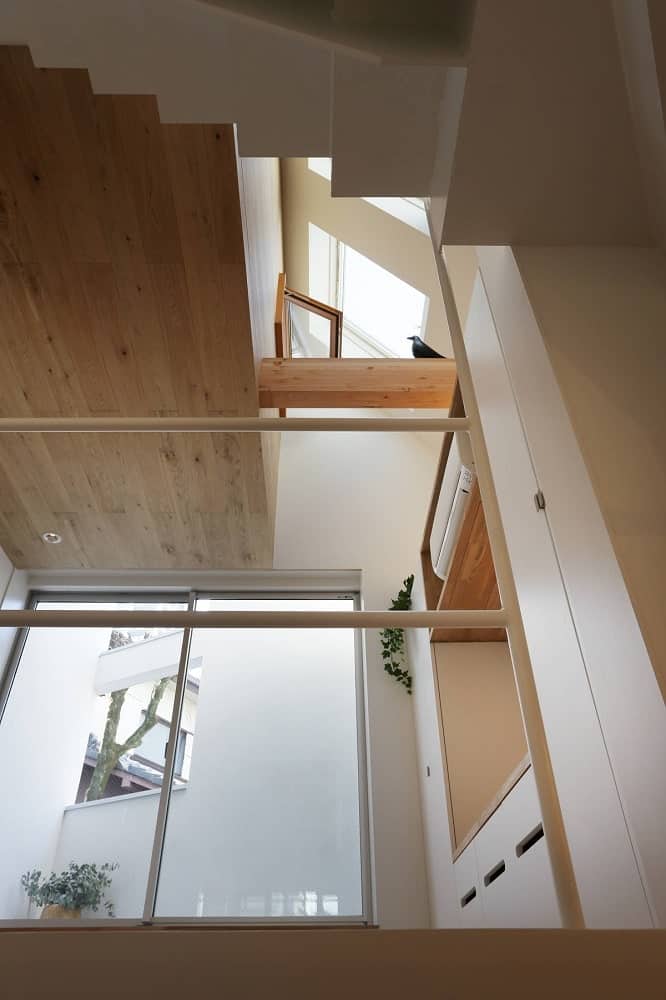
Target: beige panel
{"type": "Point", "coordinates": [483, 729]}
{"type": "Point", "coordinates": [355, 964]}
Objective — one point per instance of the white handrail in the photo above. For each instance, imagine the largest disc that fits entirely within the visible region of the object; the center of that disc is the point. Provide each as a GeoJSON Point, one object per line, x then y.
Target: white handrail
{"type": "Point", "coordinates": [46, 618]}
{"type": "Point", "coordinates": [223, 425]}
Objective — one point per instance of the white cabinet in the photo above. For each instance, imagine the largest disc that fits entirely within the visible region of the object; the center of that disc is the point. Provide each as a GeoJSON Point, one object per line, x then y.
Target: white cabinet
{"type": "Point", "coordinates": [503, 877]}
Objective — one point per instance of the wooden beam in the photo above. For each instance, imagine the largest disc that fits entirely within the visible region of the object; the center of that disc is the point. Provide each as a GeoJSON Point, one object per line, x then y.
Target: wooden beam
{"type": "Point", "coordinates": [357, 382]}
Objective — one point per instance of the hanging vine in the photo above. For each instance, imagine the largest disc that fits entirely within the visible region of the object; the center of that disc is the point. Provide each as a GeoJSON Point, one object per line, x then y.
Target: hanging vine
{"type": "Point", "coordinates": [393, 639]}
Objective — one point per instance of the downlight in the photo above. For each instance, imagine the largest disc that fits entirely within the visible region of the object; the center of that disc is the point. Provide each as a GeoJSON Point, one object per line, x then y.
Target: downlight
{"type": "Point", "coordinates": [51, 538]}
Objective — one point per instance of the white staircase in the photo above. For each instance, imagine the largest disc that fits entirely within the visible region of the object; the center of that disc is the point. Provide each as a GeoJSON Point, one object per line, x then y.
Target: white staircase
{"type": "Point", "coordinates": [290, 94]}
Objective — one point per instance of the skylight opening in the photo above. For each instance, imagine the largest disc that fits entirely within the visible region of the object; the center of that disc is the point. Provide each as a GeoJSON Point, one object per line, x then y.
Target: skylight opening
{"type": "Point", "coordinates": [380, 310]}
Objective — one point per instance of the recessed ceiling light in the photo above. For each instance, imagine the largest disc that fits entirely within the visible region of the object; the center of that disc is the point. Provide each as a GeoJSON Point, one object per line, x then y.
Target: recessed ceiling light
{"type": "Point", "coordinates": [51, 537]}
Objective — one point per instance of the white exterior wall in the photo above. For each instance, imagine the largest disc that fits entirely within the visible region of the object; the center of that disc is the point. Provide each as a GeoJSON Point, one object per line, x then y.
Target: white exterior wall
{"type": "Point", "coordinates": [43, 739]}
{"type": "Point", "coordinates": [139, 662]}
{"type": "Point", "coordinates": [271, 806]}
{"type": "Point", "coordinates": [120, 829]}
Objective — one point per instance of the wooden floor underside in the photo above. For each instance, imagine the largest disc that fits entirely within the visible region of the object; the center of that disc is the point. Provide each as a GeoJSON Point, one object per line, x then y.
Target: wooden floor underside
{"type": "Point", "coordinates": [122, 292]}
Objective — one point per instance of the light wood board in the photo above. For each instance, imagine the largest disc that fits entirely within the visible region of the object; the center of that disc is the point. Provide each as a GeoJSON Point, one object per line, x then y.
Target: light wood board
{"type": "Point", "coordinates": [357, 382]}
{"type": "Point", "coordinates": [123, 291]}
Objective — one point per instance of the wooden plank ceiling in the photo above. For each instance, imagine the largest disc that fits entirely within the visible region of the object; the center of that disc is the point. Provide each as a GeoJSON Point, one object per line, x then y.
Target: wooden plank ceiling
{"type": "Point", "coordinates": [122, 292]}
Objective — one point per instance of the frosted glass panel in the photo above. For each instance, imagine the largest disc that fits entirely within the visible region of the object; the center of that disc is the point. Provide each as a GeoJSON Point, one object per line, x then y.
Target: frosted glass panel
{"type": "Point", "coordinates": [268, 825]}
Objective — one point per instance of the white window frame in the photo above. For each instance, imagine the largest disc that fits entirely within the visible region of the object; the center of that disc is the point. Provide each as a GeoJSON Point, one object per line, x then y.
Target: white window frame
{"type": "Point", "coordinates": [287, 586]}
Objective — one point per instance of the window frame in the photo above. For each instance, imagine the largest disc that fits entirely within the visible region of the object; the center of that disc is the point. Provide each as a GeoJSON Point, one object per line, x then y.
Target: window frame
{"type": "Point", "coordinates": [190, 598]}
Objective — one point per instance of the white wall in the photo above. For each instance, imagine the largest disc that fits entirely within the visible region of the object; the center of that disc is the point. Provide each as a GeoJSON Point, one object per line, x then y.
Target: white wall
{"type": "Point", "coordinates": [261, 214]}
{"type": "Point", "coordinates": [43, 738]}
{"type": "Point", "coordinates": [13, 595]}
{"type": "Point", "coordinates": [360, 500]}
{"type": "Point", "coordinates": [443, 895]}
{"type": "Point", "coordinates": [603, 313]}
{"type": "Point", "coordinates": [148, 660]}
{"type": "Point", "coordinates": [602, 316]}
{"type": "Point", "coordinates": [119, 829]}
{"type": "Point", "coordinates": [524, 894]}
{"type": "Point", "coordinates": [605, 866]}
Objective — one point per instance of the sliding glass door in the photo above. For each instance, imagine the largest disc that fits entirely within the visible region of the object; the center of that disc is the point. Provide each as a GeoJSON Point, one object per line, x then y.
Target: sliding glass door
{"type": "Point", "coordinates": [87, 712]}
{"type": "Point", "coordinates": [264, 815]}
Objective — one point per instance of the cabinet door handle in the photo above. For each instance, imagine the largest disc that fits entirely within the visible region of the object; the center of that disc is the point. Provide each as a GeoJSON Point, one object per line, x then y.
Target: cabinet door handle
{"type": "Point", "coordinates": [468, 897]}
{"type": "Point", "coordinates": [529, 841]}
{"type": "Point", "coordinates": [494, 873]}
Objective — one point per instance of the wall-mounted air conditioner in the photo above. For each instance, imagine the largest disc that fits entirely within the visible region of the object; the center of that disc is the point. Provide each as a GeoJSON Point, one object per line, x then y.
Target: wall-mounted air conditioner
{"type": "Point", "coordinates": [454, 494]}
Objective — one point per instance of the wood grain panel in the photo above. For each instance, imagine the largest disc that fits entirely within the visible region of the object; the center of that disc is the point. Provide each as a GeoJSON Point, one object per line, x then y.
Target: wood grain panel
{"type": "Point", "coordinates": [471, 583]}
{"type": "Point", "coordinates": [431, 582]}
{"type": "Point", "coordinates": [356, 382]}
{"type": "Point", "coordinates": [123, 291]}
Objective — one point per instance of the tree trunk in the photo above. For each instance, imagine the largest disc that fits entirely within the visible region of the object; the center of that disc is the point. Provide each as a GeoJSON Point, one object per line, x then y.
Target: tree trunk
{"type": "Point", "coordinates": [107, 755]}
{"type": "Point", "coordinates": [110, 752]}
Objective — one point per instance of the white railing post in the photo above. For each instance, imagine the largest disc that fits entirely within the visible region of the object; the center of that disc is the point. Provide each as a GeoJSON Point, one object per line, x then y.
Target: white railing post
{"type": "Point", "coordinates": [45, 618]}
{"type": "Point", "coordinates": [224, 425]}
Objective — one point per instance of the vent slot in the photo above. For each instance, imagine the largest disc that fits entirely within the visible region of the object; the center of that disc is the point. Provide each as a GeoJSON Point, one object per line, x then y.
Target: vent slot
{"type": "Point", "coordinates": [529, 841]}
{"type": "Point", "coordinates": [468, 897]}
{"type": "Point", "coordinates": [494, 873]}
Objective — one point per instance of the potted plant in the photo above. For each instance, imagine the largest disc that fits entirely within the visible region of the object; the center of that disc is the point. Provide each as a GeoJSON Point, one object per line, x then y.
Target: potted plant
{"type": "Point", "coordinates": [64, 895]}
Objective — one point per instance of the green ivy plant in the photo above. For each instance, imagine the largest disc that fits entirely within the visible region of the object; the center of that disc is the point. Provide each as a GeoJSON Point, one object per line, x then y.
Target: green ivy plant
{"type": "Point", "coordinates": [78, 887]}
{"type": "Point", "coordinates": [393, 639]}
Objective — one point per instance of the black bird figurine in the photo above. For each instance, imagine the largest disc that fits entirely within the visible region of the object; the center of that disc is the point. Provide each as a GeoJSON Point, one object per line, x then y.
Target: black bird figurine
{"type": "Point", "coordinates": [421, 350]}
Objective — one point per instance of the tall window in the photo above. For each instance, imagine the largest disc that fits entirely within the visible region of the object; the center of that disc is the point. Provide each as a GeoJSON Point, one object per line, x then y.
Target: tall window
{"type": "Point", "coordinates": [266, 805]}
{"type": "Point", "coordinates": [380, 310]}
